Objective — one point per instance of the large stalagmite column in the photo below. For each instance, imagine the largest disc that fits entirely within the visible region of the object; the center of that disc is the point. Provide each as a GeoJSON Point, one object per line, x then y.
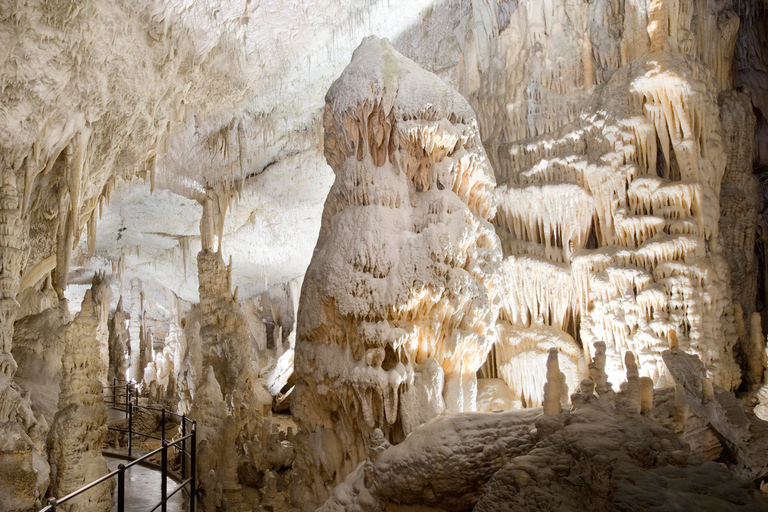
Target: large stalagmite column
{"type": "Point", "coordinates": [79, 428]}
{"type": "Point", "coordinates": [23, 469]}
{"type": "Point", "coordinates": [136, 371]}
{"type": "Point", "coordinates": [229, 405]}
{"type": "Point", "coordinates": [398, 305]}
{"type": "Point", "coordinates": [102, 297]}
{"type": "Point", "coordinates": [118, 344]}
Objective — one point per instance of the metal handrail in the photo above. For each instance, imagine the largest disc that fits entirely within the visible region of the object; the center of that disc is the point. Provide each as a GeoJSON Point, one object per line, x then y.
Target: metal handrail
{"type": "Point", "coordinates": [180, 444]}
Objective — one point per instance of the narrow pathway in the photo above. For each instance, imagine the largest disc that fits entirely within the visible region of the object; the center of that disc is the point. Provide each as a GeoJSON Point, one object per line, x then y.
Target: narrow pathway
{"type": "Point", "coordinates": [142, 488]}
{"type": "Point", "coordinates": [115, 415]}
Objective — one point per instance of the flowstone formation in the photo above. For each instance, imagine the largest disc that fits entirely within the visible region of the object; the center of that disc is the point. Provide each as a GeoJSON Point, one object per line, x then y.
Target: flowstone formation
{"type": "Point", "coordinates": [79, 428]}
{"type": "Point", "coordinates": [39, 356]}
{"type": "Point", "coordinates": [615, 137]}
{"type": "Point", "coordinates": [399, 303]}
{"type": "Point", "coordinates": [620, 450]}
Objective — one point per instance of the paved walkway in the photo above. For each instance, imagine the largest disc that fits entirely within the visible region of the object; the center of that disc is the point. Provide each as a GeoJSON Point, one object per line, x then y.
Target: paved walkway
{"type": "Point", "coordinates": [115, 415]}
{"type": "Point", "coordinates": [142, 488]}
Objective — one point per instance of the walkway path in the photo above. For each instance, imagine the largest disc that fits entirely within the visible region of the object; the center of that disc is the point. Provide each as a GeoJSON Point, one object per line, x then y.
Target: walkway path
{"type": "Point", "coordinates": [115, 415]}
{"type": "Point", "coordinates": [142, 488]}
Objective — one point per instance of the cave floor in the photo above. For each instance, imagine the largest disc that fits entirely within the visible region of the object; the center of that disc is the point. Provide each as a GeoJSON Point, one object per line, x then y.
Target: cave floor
{"type": "Point", "coordinates": [142, 488]}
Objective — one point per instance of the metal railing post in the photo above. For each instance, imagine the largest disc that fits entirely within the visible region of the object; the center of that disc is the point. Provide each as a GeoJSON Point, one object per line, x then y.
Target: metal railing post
{"type": "Point", "coordinates": [164, 476]}
{"type": "Point", "coordinates": [127, 397]}
{"type": "Point", "coordinates": [121, 488]}
{"type": "Point", "coordinates": [193, 470]}
{"type": "Point", "coordinates": [183, 447]}
{"type": "Point", "coordinates": [162, 428]}
{"type": "Point", "coordinates": [130, 429]}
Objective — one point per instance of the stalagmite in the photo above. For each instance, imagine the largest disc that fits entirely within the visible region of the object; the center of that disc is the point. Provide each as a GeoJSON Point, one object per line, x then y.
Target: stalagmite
{"type": "Point", "coordinates": [101, 292]}
{"type": "Point", "coordinates": [496, 462]}
{"type": "Point", "coordinates": [23, 469]}
{"type": "Point", "coordinates": [119, 339]}
{"type": "Point", "coordinates": [136, 369]}
{"type": "Point", "coordinates": [405, 269]}
{"type": "Point", "coordinates": [10, 248]}
{"type": "Point", "coordinates": [555, 387]}
{"type": "Point", "coordinates": [646, 394]}
{"type": "Point", "coordinates": [597, 374]}
{"type": "Point", "coordinates": [754, 352]}
{"type": "Point", "coordinates": [227, 388]}
{"type": "Point", "coordinates": [217, 431]}
{"type": "Point", "coordinates": [79, 428]}
{"type": "Point", "coordinates": [584, 395]}
{"type": "Point", "coordinates": [587, 211]}
{"type": "Point", "coordinates": [632, 395]}
{"type": "Point", "coordinates": [39, 356]}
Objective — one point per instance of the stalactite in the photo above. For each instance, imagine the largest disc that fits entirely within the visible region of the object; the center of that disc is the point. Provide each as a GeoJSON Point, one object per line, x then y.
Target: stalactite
{"type": "Point", "coordinates": [608, 197]}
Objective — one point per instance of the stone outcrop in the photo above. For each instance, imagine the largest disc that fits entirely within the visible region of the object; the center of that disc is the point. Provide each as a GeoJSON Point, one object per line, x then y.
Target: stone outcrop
{"type": "Point", "coordinates": [529, 461]}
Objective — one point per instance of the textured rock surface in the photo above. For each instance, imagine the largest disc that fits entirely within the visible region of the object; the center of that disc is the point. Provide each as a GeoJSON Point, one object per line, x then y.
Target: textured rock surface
{"type": "Point", "coordinates": [601, 455]}
{"type": "Point", "coordinates": [612, 127]}
{"type": "Point", "coordinates": [405, 267]}
{"type": "Point", "coordinates": [228, 403]}
{"type": "Point", "coordinates": [118, 346]}
{"type": "Point", "coordinates": [80, 426]}
{"type": "Point", "coordinates": [630, 141]}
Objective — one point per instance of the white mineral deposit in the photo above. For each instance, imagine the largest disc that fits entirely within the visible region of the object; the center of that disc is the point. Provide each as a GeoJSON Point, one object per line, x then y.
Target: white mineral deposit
{"type": "Point", "coordinates": [385, 255]}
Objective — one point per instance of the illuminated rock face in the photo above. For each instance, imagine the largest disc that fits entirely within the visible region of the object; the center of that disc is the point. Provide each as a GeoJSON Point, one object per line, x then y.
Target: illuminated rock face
{"type": "Point", "coordinates": [526, 460]}
{"type": "Point", "coordinates": [400, 300]}
{"type": "Point", "coordinates": [611, 131]}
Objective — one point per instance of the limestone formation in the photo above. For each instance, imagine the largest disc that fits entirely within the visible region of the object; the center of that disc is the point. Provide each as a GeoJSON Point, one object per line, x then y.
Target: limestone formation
{"type": "Point", "coordinates": [217, 451]}
{"type": "Point", "coordinates": [228, 402]}
{"type": "Point", "coordinates": [80, 426]}
{"type": "Point", "coordinates": [40, 371]}
{"type": "Point", "coordinates": [405, 268]}
{"type": "Point", "coordinates": [554, 388]}
{"type": "Point", "coordinates": [511, 203]}
{"type": "Point", "coordinates": [101, 292]}
{"type": "Point", "coordinates": [496, 461]}
{"type": "Point", "coordinates": [615, 137]}
{"type": "Point", "coordinates": [118, 346]}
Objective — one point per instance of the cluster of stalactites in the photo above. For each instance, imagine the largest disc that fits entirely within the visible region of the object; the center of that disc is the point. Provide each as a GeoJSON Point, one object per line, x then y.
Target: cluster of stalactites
{"type": "Point", "coordinates": [645, 236]}
{"type": "Point", "coordinates": [433, 152]}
